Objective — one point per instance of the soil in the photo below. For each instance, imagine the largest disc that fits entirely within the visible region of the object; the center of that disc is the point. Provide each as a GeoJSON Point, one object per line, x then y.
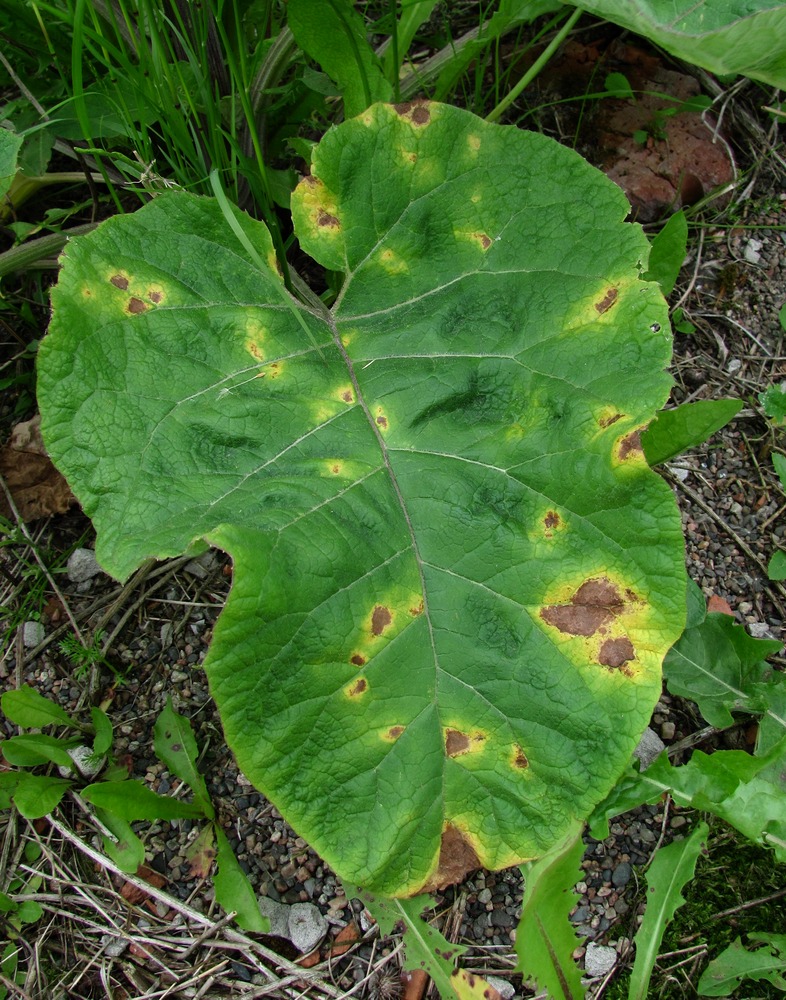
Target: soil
{"type": "Point", "coordinates": [161, 931]}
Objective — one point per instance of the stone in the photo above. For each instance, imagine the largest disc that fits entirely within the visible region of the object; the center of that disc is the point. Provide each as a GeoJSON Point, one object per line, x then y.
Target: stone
{"type": "Point", "coordinates": [502, 986]}
{"type": "Point", "coordinates": [277, 914]}
{"type": "Point", "coordinates": [33, 633]}
{"type": "Point", "coordinates": [650, 747]}
{"type": "Point", "coordinates": [621, 875]}
{"type": "Point", "coordinates": [82, 566]}
{"type": "Point", "coordinates": [307, 926]}
{"type": "Point", "coordinates": [599, 959]}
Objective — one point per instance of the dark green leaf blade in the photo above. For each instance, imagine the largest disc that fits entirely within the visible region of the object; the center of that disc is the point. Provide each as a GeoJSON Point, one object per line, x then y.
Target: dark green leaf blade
{"type": "Point", "coordinates": [720, 667]}
{"type": "Point", "coordinates": [36, 748]}
{"type": "Point", "coordinates": [131, 800]}
{"type": "Point", "coordinates": [233, 889]}
{"type": "Point", "coordinates": [27, 708]}
{"type": "Point", "coordinates": [677, 430]}
{"type": "Point", "coordinates": [776, 567]}
{"type": "Point", "coordinates": [726, 973]}
{"type": "Point", "coordinates": [668, 252]}
{"type": "Point", "coordinates": [725, 38]}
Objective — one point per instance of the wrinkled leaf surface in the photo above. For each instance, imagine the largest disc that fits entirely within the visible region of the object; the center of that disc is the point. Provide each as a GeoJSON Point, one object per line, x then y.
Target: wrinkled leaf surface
{"type": "Point", "coordinates": [455, 576]}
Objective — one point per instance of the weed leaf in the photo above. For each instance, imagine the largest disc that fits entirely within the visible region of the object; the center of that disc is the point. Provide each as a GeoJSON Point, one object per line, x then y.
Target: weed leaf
{"type": "Point", "coordinates": [176, 746]}
{"type": "Point", "coordinates": [726, 973]}
{"type": "Point", "coordinates": [424, 947]}
{"type": "Point", "coordinates": [720, 667]}
{"type": "Point", "coordinates": [36, 748]}
{"type": "Point", "coordinates": [545, 939]}
{"type": "Point", "coordinates": [233, 890]}
{"type": "Point", "coordinates": [35, 795]}
{"type": "Point", "coordinates": [131, 800]}
{"type": "Point", "coordinates": [668, 248]}
{"type": "Point", "coordinates": [773, 400]}
{"type": "Point", "coordinates": [102, 740]}
{"type": "Point", "coordinates": [672, 867]}
{"type": "Point", "coordinates": [27, 708]}
{"type": "Point", "coordinates": [123, 847]}
{"type": "Point", "coordinates": [678, 430]}
{"type": "Point", "coordinates": [776, 567]}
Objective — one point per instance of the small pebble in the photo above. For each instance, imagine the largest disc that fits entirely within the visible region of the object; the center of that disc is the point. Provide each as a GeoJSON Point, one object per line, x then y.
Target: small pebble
{"type": "Point", "coordinates": [33, 633]}
{"type": "Point", "coordinates": [82, 566]}
{"type": "Point", "coordinates": [599, 959]}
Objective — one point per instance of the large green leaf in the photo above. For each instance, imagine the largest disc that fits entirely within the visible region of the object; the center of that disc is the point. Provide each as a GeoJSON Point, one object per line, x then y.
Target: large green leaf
{"type": "Point", "coordinates": [455, 576]}
{"type": "Point", "coordinates": [723, 36]}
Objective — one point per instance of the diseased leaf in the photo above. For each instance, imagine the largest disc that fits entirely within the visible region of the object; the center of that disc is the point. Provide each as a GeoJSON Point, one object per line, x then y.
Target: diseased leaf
{"type": "Point", "coordinates": [233, 890]}
{"type": "Point", "coordinates": [201, 854]}
{"type": "Point", "coordinates": [672, 867]}
{"type": "Point", "coordinates": [737, 36]}
{"type": "Point", "coordinates": [131, 800]}
{"type": "Point", "coordinates": [726, 973]}
{"type": "Point", "coordinates": [677, 430]}
{"type": "Point", "coordinates": [27, 708]}
{"type": "Point", "coordinates": [455, 576]}
{"type": "Point", "coordinates": [176, 746]}
{"type": "Point", "coordinates": [720, 667]}
{"type": "Point", "coordinates": [545, 939]}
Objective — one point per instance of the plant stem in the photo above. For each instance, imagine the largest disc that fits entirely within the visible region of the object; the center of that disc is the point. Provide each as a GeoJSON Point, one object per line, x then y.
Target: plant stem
{"type": "Point", "coordinates": [536, 67]}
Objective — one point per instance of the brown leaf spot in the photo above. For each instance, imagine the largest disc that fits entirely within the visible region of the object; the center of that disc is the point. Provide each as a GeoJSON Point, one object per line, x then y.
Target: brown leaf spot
{"type": "Point", "coordinates": [358, 659]}
{"type": "Point", "coordinates": [395, 731]}
{"type": "Point", "coordinates": [119, 281]}
{"type": "Point", "coordinates": [416, 111]}
{"type": "Point", "coordinates": [380, 619]}
{"type": "Point", "coordinates": [335, 469]}
{"type": "Point", "coordinates": [595, 603]}
{"type": "Point", "coordinates": [382, 421]}
{"type": "Point", "coordinates": [616, 652]}
{"type": "Point", "coordinates": [457, 858]}
{"type": "Point", "coordinates": [155, 297]}
{"type": "Point", "coordinates": [608, 421]}
{"type": "Point", "coordinates": [136, 306]}
{"type": "Point", "coordinates": [607, 301]}
{"type": "Point", "coordinates": [552, 519]}
{"type": "Point", "coordinates": [357, 688]}
{"type": "Point", "coordinates": [484, 240]}
{"type": "Point", "coordinates": [631, 444]}
{"type": "Point", "coordinates": [417, 610]}
{"type": "Point", "coordinates": [328, 220]}
{"type": "Point", "coordinates": [311, 181]}
{"type": "Point", "coordinates": [347, 396]}
{"type": "Point", "coordinates": [519, 757]}
{"type": "Point", "coordinates": [456, 742]}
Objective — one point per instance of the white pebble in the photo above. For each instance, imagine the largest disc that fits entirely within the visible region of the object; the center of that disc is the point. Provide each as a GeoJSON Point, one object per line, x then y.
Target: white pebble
{"type": "Point", "coordinates": [82, 565]}
{"type": "Point", "coordinates": [32, 634]}
{"type": "Point", "coordinates": [599, 959]}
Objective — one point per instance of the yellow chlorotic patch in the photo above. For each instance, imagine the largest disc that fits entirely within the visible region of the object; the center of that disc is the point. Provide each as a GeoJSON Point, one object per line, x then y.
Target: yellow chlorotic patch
{"type": "Point", "coordinates": [476, 197]}
{"type": "Point", "coordinates": [381, 420]}
{"type": "Point", "coordinates": [608, 416]}
{"type": "Point", "coordinates": [392, 263]}
{"type": "Point", "coordinates": [255, 336]}
{"type": "Point", "coordinates": [391, 733]}
{"type": "Point", "coordinates": [320, 204]}
{"type": "Point", "coordinates": [356, 688]}
{"type": "Point", "coordinates": [272, 371]}
{"type": "Point", "coordinates": [459, 742]}
{"type": "Point", "coordinates": [473, 141]}
{"type": "Point", "coordinates": [346, 393]}
{"type": "Point", "coordinates": [627, 449]}
{"type": "Point", "coordinates": [603, 303]}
